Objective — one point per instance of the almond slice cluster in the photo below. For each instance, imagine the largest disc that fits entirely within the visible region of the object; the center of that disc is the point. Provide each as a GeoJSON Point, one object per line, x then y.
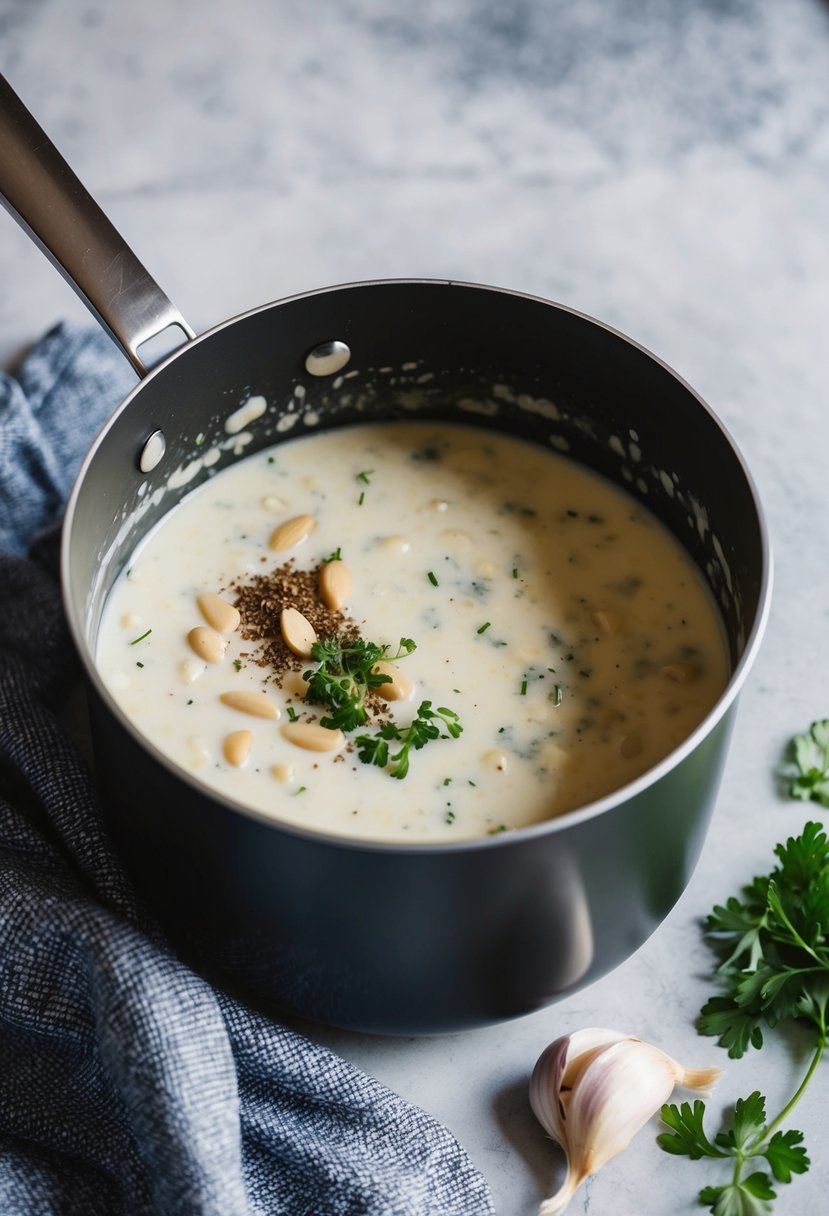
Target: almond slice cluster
{"type": "Point", "coordinates": [209, 642]}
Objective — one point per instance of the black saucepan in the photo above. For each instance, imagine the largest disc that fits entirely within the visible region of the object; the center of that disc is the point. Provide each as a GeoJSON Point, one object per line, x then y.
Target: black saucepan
{"type": "Point", "coordinates": [384, 937]}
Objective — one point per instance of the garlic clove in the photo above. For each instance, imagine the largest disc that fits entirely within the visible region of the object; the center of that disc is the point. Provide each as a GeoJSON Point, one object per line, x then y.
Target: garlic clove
{"type": "Point", "coordinates": [593, 1090]}
{"type": "Point", "coordinates": [548, 1078]}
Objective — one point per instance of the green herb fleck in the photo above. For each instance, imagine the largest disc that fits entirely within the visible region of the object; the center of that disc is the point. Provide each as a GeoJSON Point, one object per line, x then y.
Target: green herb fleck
{"type": "Point", "coordinates": [362, 498]}
{"type": "Point", "coordinates": [485, 626]}
{"type": "Point", "coordinates": [432, 577]}
{"type": "Point", "coordinates": [515, 572]}
{"type": "Point", "coordinates": [292, 713]}
{"type": "Point", "coordinates": [449, 817]}
{"type": "Point", "coordinates": [336, 556]}
{"type": "Point", "coordinates": [237, 663]}
{"type": "Point", "coordinates": [146, 634]}
{"type": "Point", "coordinates": [139, 664]}
{"type": "Point", "coordinates": [496, 831]}
{"type": "Point", "coordinates": [271, 460]}
{"type": "Point", "coordinates": [300, 790]}
{"type": "Point", "coordinates": [190, 702]}
{"type": "Point", "coordinates": [364, 476]}
{"type": "Point", "coordinates": [447, 780]}
{"type": "Point", "coordinates": [558, 695]}
{"type": "Point", "coordinates": [523, 688]}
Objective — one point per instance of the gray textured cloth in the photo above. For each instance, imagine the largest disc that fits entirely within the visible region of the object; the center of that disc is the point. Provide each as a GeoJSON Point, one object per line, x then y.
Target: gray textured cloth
{"type": "Point", "coordinates": [127, 1083]}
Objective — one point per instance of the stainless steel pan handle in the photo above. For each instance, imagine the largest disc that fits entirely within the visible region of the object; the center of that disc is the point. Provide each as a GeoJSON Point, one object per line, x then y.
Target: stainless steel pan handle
{"type": "Point", "coordinates": [50, 203]}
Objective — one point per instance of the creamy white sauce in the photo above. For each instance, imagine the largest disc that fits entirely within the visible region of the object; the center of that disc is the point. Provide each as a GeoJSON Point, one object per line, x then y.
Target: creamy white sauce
{"type": "Point", "coordinates": [558, 618]}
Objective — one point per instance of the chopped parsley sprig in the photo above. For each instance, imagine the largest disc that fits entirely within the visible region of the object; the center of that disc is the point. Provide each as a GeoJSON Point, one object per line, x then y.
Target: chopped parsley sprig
{"type": "Point", "coordinates": [346, 675]}
{"type": "Point", "coordinates": [427, 725]}
{"type": "Point", "coordinates": [773, 943]}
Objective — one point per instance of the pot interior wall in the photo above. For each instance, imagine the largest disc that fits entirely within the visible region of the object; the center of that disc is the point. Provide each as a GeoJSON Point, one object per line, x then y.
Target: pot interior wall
{"type": "Point", "coordinates": [421, 349]}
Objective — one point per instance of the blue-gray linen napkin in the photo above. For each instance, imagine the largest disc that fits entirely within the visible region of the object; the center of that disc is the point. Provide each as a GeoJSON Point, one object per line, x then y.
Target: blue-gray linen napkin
{"type": "Point", "coordinates": [128, 1085]}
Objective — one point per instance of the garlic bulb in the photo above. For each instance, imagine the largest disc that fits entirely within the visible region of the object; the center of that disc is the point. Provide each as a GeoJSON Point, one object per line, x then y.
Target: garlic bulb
{"type": "Point", "coordinates": [593, 1090]}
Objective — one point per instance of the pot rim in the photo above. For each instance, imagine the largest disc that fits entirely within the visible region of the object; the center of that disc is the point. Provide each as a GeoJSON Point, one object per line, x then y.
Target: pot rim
{"type": "Point", "coordinates": [531, 832]}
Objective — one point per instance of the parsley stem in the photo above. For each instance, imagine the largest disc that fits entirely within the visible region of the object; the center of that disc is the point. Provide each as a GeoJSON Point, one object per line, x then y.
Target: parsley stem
{"type": "Point", "coordinates": [772, 1127]}
{"type": "Point", "coordinates": [822, 965]}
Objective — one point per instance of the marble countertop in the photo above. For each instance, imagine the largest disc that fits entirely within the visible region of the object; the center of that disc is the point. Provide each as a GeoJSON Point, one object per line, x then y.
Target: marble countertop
{"type": "Point", "coordinates": [663, 167]}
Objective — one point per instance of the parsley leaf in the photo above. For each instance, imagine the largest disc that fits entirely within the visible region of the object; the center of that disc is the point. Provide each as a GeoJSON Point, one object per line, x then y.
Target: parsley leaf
{"type": "Point", "coordinates": [751, 1196]}
{"type": "Point", "coordinates": [687, 1138]}
{"type": "Point", "coordinates": [733, 1027]}
{"type": "Point", "coordinates": [345, 676]}
{"type": "Point", "coordinates": [749, 1138]}
{"type": "Point", "coordinates": [428, 724]}
{"type": "Point", "coordinates": [773, 944]}
{"type": "Point", "coordinates": [749, 1124]}
{"type": "Point", "coordinates": [808, 765]}
{"type": "Point", "coordinates": [786, 1155]}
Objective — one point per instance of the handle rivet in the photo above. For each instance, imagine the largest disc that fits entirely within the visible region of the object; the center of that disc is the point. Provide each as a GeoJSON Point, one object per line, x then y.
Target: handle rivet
{"type": "Point", "coordinates": [152, 452]}
{"type": "Point", "coordinates": [327, 358]}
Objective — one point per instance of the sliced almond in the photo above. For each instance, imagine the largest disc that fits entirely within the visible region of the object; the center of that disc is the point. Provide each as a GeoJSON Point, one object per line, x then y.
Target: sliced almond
{"type": "Point", "coordinates": [496, 759]}
{"type": "Point", "coordinates": [398, 687]}
{"type": "Point", "coordinates": [258, 704]}
{"type": "Point", "coordinates": [218, 613]}
{"type": "Point", "coordinates": [189, 670]}
{"type": "Point", "coordinates": [313, 737]}
{"type": "Point", "coordinates": [631, 746]}
{"type": "Point", "coordinates": [207, 644]}
{"type": "Point", "coordinates": [610, 622]}
{"type": "Point", "coordinates": [236, 747]}
{"type": "Point", "coordinates": [397, 545]}
{"type": "Point", "coordinates": [335, 584]}
{"type": "Point", "coordinates": [298, 633]}
{"type": "Point", "coordinates": [292, 533]}
{"type": "Point", "coordinates": [199, 752]}
{"type": "Point", "coordinates": [294, 685]}
{"type": "Point", "coordinates": [682, 673]}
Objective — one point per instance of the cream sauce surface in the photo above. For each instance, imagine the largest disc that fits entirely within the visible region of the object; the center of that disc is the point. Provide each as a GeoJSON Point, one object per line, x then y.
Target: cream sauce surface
{"type": "Point", "coordinates": [559, 619]}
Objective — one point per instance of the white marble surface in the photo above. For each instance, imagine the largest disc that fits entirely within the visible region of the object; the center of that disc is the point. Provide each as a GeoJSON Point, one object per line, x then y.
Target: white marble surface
{"type": "Point", "coordinates": [663, 166]}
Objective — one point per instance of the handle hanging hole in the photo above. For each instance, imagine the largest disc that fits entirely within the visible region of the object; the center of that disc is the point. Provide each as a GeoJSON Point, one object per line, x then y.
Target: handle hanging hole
{"type": "Point", "coordinates": [152, 452]}
{"type": "Point", "coordinates": [327, 358]}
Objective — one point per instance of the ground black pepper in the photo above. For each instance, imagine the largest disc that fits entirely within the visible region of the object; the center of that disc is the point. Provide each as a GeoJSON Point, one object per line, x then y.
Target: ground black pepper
{"type": "Point", "coordinates": [261, 598]}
